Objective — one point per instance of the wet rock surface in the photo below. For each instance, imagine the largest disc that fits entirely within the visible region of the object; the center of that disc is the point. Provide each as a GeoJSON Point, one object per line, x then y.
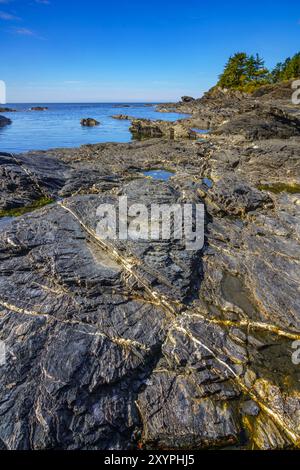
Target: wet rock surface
{"type": "Point", "coordinates": [4, 121]}
{"type": "Point", "coordinates": [118, 344]}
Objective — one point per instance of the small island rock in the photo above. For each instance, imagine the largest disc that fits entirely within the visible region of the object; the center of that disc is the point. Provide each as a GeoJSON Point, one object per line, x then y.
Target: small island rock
{"type": "Point", "coordinates": [89, 122]}
{"type": "Point", "coordinates": [39, 108]}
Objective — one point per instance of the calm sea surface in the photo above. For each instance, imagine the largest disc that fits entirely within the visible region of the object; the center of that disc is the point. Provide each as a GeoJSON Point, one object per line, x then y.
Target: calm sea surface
{"type": "Point", "coordinates": [59, 126]}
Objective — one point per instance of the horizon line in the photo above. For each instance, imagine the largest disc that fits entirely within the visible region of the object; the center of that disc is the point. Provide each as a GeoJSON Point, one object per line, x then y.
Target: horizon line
{"type": "Point", "coordinates": [88, 102]}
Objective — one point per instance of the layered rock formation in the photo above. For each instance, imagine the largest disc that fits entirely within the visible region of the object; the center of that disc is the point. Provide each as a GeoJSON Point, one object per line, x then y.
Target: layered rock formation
{"type": "Point", "coordinates": [145, 128]}
{"type": "Point", "coordinates": [262, 123]}
{"type": "Point", "coordinates": [117, 344]}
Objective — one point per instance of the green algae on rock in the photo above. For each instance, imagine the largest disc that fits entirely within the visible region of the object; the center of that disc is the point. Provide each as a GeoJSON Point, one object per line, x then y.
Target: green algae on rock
{"type": "Point", "coordinates": [18, 211]}
{"type": "Point", "coordinates": [277, 188]}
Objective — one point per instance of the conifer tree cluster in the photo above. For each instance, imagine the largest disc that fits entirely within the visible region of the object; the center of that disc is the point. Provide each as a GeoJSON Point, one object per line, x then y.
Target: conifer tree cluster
{"type": "Point", "coordinates": [247, 73]}
{"type": "Point", "coordinates": [287, 70]}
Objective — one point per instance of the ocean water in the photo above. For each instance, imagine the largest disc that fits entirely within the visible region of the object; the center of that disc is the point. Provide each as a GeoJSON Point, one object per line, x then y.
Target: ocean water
{"type": "Point", "coordinates": [59, 126]}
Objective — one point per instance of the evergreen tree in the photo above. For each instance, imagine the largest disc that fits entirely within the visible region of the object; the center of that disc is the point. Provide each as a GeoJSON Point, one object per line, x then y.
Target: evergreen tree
{"type": "Point", "coordinates": [256, 70]}
{"type": "Point", "coordinates": [292, 68]}
{"type": "Point", "coordinates": [235, 71]}
{"type": "Point", "coordinates": [276, 74]}
{"type": "Point", "coordinates": [247, 73]}
{"type": "Point", "coordinates": [287, 70]}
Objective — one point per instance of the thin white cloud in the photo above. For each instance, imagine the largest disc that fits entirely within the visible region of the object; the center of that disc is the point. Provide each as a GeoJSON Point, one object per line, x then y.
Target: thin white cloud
{"type": "Point", "coordinates": [43, 2]}
{"type": "Point", "coordinates": [27, 32]}
{"type": "Point", "coordinates": [8, 16]}
{"type": "Point", "coordinates": [24, 31]}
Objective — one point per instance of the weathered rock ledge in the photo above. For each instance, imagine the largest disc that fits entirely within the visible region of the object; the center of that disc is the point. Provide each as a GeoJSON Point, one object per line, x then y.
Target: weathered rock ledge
{"type": "Point", "coordinates": [116, 345]}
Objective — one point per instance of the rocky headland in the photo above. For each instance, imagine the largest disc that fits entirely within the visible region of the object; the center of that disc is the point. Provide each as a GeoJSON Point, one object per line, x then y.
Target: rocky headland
{"type": "Point", "coordinates": [117, 345]}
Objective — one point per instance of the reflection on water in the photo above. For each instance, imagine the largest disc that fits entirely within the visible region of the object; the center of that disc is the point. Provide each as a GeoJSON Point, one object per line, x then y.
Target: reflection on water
{"type": "Point", "coordinates": [161, 175]}
{"type": "Point", "coordinates": [5, 221]}
{"type": "Point", "coordinates": [200, 131]}
{"type": "Point", "coordinates": [208, 182]}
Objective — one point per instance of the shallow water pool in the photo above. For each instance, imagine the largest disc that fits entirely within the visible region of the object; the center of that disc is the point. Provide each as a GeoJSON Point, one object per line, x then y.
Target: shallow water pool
{"type": "Point", "coordinates": [161, 175]}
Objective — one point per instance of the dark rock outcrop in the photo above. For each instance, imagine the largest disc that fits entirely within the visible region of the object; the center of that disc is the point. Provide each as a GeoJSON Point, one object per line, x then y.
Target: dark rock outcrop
{"type": "Point", "coordinates": [262, 124]}
{"type": "Point", "coordinates": [278, 91]}
{"type": "Point", "coordinates": [122, 117]}
{"type": "Point", "coordinates": [218, 105]}
{"type": "Point", "coordinates": [117, 344]}
{"type": "Point", "coordinates": [89, 122]}
{"type": "Point", "coordinates": [145, 128]}
{"type": "Point", "coordinates": [24, 180]}
{"type": "Point", "coordinates": [235, 197]}
{"type": "Point", "coordinates": [7, 110]}
{"type": "Point", "coordinates": [4, 121]}
{"type": "Point", "coordinates": [39, 108]}
{"type": "Point", "coordinates": [187, 99]}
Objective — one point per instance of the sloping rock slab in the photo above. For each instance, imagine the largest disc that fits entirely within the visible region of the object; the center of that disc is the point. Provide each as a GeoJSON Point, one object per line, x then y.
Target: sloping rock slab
{"type": "Point", "coordinates": [262, 124]}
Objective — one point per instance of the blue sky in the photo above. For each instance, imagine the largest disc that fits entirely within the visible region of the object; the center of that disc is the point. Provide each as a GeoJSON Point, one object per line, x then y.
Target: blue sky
{"type": "Point", "coordinates": [94, 51]}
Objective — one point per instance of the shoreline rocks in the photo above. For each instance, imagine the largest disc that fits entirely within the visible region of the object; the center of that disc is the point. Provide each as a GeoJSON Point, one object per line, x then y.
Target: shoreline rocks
{"type": "Point", "coordinates": [145, 128]}
{"type": "Point", "coordinates": [7, 110]}
{"type": "Point", "coordinates": [99, 332]}
{"type": "Point", "coordinates": [263, 123]}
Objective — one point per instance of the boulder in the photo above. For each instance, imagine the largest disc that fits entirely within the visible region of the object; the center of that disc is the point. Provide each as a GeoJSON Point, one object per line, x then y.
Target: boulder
{"type": "Point", "coordinates": [187, 99]}
{"type": "Point", "coordinates": [89, 122]}
{"type": "Point", "coordinates": [145, 128]}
